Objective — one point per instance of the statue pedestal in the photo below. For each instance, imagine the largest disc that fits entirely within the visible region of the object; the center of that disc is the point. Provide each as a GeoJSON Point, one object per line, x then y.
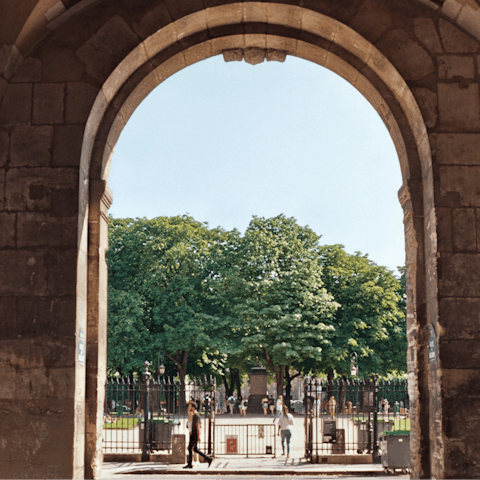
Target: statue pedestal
{"type": "Point", "coordinates": [258, 389]}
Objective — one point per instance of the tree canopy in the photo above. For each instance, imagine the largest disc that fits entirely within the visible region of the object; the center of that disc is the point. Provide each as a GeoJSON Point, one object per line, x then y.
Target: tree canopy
{"type": "Point", "coordinates": [209, 299]}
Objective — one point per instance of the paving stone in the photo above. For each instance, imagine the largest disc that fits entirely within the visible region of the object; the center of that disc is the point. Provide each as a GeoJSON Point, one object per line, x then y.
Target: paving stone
{"type": "Point", "coordinates": [30, 70]}
{"type": "Point", "coordinates": [408, 57]}
{"type": "Point", "coordinates": [459, 107]}
{"type": "Point", "coordinates": [16, 107]}
{"type": "Point", "coordinates": [79, 101]}
{"type": "Point", "coordinates": [454, 40]}
{"type": "Point", "coordinates": [428, 102]}
{"type": "Point", "coordinates": [48, 103]}
{"type": "Point", "coordinates": [67, 145]}
{"type": "Point", "coordinates": [31, 146]}
{"type": "Point", "coordinates": [464, 231]}
{"type": "Point", "coordinates": [426, 32]}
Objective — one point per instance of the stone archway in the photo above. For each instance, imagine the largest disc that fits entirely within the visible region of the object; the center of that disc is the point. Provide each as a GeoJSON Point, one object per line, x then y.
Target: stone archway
{"type": "Point", "coordinates": [62, 109]}
{"type": "Point", "coordinates": [355, 59]}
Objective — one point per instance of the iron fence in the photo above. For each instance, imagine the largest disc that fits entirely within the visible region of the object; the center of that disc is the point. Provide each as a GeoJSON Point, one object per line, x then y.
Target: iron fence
{"type": "Point", "coordinates": [246, 439]}
{"type": "Point", "coordinates": [343, 417]}
{"type": "Point", "coordinates": [141, 416]}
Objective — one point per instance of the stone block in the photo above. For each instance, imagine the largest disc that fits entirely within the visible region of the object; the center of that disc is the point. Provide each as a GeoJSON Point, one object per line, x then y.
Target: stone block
{"type": "Point", "coordinates": [412, 60]}
{"type": "Point", "coordinates": [48, 103]}
{"type": "Point", "coordinates": [178, 448]}
{"type": "Point", "coordinates": [62, 272]}
{"type": "Point", "coordinates": [60, 65]}
{"type": "Point", "coordinates": [46, 316]}
{"type": "Point", "coordinates": [462, 418]}
{"type": "Point", "coordinates": [461, 354]}
{"type": "Point", "coordinates": [469, 19]}
{"type": "Point", "coordinates": [22, 272]}
{"type": "Point", "coordinates": [254, 55]}
{"type": "Point", "coordinates": [459, 107]}
{"type": "Point", "coordinates": [152, 21]}
{"type": "Point", "coordinates": [43, 230]}
{"type": "Point", "coordinates": [2, 189]}
{"type": "Point", "coordinates": [32, 189]}
{"type": "Point", "coordinates": [79, 101]}
{"type": "Point", "coordinates": [459, 318]}
{"type": "Point", "coordinates": [16, 107]}
{"type": "Point", "coordinates": [181, 9]}
{"type": "Point", "coordinates": [427, 101]}
{"type": "Point", "coordinates": [7, 232]}
{"type": "Point", "coordinates": [464, 231]}
{"type": "Point", "coordinates": [31, 146]}
{"type": "Point", "coordinates": [455, 67]}
{"type": "Point", "coordinates": [426, 32]}
{"type": "Point", "coordinates": [107, 48]}
{"type": "Point", "coordinates": [372, 20]}
{"type": "Point", "coordinates": [444, 230]}
{"type": "Point", "coordinates": [233, 55]}
{"type": "Point", "coordinates": [456, 148]}
{"type": "Point", "coordinates": [459, 275]}
{"type": "Point", "coordinates": [9, 59]}
{"type": "Point", "coordinates": [4, 146]}
{"type": "Point", "coordinates": [67, 145]}
{"type": "Point", "coordinates": [459, 186]}
{"type": "Point", "coordinates": [454, 40]}
{"type": "Point", "coordinates": [30, 70]}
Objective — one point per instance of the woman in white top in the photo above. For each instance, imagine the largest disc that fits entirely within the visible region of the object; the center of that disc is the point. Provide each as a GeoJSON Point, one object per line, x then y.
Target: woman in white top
{"type": "Point", "coordinates": [285, 429]}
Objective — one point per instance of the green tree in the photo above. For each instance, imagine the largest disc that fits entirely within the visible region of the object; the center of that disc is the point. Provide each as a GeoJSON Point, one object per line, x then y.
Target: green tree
{"type": "Point", "coordinates": [271, 288]}
{"type": "Point", "coordinates": [157, 271]}
{"type": "Point", "coordinates": [371, 317]}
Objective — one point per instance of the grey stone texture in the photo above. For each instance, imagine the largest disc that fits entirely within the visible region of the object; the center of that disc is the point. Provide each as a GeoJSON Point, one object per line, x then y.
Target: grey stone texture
{"type": "Point", "coordinates": [54, 201]}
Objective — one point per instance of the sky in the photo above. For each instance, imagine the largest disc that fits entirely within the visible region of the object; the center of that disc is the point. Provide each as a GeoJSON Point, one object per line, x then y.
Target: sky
{"type": "Point", "coordinates": [225, 141]}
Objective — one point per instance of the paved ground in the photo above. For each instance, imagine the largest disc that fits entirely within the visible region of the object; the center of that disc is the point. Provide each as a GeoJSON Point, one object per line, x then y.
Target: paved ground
{"type": "Point", "coordinates": [251, 467]}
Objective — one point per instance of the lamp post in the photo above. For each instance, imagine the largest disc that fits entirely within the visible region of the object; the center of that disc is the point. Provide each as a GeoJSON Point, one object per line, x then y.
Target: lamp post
{"type": "Point", "coordinates": [146, 438]}
{"type": "Point", "coordinates": [354, 368]}
{"type": "Point", "coordinates": [160, 373]}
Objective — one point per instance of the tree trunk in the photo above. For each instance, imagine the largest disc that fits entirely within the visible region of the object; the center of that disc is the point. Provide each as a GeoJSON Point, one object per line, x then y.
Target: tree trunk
{"type": "Point", "coordinates": [181, 360]}
{"type": "Point", "coordinates": [228, 389]}
{"type": "Point", "coordinates": [280, 376]}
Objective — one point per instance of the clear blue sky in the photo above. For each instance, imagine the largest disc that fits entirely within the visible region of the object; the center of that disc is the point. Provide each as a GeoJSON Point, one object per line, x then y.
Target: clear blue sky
{"type": "Point", "coordinates": [225, 141]}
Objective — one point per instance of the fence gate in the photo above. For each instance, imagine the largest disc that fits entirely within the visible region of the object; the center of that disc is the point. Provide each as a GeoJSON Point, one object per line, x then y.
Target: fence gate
{"type": "Point", "coordinates": [142, 416]}
{"type": "Point", "coordinates": [348, 418]}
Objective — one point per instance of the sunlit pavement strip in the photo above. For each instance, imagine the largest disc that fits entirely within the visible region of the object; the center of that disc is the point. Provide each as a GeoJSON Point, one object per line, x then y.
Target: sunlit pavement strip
{"type": "Point", "coordinates": [245, 466]}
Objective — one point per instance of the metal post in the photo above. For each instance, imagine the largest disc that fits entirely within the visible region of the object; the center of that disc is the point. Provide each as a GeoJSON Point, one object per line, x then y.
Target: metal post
{"type": "Point", "coordinates": [376, 456]}
{"type": "Point", "coordinates": [146, 438]}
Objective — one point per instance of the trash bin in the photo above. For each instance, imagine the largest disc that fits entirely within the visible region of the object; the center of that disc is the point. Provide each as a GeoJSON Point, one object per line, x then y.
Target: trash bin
{"type": "Point", "coordinates": [395, 451]}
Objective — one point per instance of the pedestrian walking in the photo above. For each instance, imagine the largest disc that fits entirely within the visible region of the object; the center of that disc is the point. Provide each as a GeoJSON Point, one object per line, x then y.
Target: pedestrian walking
{"type": "Point", "coordinates": [265, 405]}
{"type": "Point", "coordinates": [285, 429]}
{"type": "Point", "coordinates": [243, 407]}
{"type": "Point", "coordinates": [271, 404]}
{"type": "Point", "coordinates": [278, 407]}
{"type": "Point", "coordinates": [231, 404]}
{"type": "Point", "coordinates": [206, 402]}
{"type": "Point", "coordinates": [195, 429]}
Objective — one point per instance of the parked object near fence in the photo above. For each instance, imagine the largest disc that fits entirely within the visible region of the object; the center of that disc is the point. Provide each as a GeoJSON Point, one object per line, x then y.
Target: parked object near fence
{"type": "Point", "coordinates": [395, 451]}
{"type": "Point", "coordinates": [348, 418]}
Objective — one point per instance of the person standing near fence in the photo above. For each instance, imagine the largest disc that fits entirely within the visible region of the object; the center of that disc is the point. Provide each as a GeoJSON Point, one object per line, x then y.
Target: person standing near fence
{"type": "Point", "coordinates": [285, 429]}
{"type": "Point", "coordinates": [265, 405]}
{"type": "Point", "coordinates": [278, 407]}
{"type": "Point", "coordinates": [195, 430]}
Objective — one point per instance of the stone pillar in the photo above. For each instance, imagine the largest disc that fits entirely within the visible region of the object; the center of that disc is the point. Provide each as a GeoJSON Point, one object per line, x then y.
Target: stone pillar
{"type": "Point", "coordinates": [258, 389]}
{"type": "Point", "coordinates": [100, 201]}
{"type": "Point", "coordinates": [178, 449]}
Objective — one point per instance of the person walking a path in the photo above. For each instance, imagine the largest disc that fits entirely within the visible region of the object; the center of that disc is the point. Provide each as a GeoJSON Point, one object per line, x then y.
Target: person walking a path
{"type": "Point", "coordinates": [265, 405]}
{"type": "Point", "coordinates": [243, 407]}
{"type": "Point", "coordinates": [278, 407]}
{"type": "Point", "coordinates": [231, 404]}
{"type": "Point", "coordinates": [271, 404]}
{"type": "Point", "coordinates": [285, 429]}
{"type": "Point", "coordinates": [195, 430]}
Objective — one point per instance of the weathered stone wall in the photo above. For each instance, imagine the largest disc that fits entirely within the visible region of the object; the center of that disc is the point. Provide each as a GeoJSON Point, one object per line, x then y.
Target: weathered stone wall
{"type": "Point", "coordinates": [98, 63]}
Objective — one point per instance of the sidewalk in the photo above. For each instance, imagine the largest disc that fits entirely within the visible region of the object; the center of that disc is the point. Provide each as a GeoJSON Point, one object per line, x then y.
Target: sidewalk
{"type": "Point", "coordinates": [244, 466]}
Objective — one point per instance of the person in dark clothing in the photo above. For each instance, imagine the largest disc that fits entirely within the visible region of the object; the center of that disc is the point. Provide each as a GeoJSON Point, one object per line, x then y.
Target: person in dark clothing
{"type": "Point", "coordinates": [194, 427]}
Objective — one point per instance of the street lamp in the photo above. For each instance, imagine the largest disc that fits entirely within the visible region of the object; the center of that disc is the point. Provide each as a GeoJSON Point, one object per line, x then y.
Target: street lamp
{"type": "Point", "coordinates": [161, 366]}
